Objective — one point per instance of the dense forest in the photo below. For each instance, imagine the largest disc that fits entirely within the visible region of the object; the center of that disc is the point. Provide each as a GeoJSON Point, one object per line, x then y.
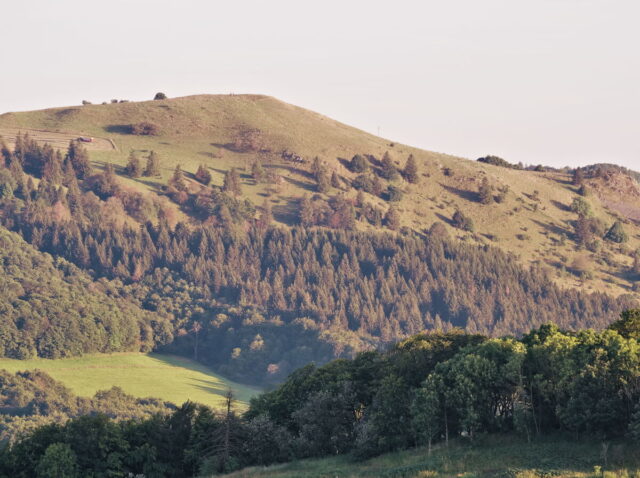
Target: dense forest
{"type": "Point", "coordinates": [430, 388]}
{"type": "Point", "coordinates": [252, 300]}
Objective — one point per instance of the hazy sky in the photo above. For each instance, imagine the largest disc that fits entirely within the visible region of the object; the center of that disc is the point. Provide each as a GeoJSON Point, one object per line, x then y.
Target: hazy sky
{"type": "Point", "coordinates": [538, 81]}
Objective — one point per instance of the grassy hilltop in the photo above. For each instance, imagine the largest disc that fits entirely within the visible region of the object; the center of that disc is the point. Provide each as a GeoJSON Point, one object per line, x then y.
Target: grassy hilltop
{"type": "Point", "coordinates": [533, 222]}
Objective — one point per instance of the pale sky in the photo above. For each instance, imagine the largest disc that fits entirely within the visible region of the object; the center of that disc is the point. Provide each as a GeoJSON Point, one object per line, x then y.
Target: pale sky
{"type": "Point", "coordinates": [539, 81]}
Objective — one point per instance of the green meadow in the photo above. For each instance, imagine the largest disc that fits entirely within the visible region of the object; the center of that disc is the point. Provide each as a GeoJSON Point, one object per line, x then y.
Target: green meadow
{"type": "Point", "coordinates": [497, 456]}
{"type": "Point", "coordinates": [170, 378]}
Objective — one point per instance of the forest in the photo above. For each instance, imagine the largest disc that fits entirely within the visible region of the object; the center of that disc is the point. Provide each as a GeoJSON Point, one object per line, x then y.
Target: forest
{"type": "Point", "coordinates": [252, 300]}
{"type": "Point", "coordinates": [426, 390]}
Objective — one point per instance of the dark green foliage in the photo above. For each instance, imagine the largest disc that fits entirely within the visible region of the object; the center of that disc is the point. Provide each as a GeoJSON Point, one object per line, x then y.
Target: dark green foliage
{"type": "Point", "coordinates": [134, 166]}
{"type": "Point", "coordinates": [498, 161]}
{"type": "Point", "coordinates": [628, 325]}
{"type": "Point", "coordinates": [388, 169]}
{"type": "Point", "coordinates": [395, 194]}
{"type": "Point", "coordinates": [617, 233]}
{"type": "Point", "coordinates": [67, 314]}
{"type": "Point", "coordinates": [392, 218]}
{"type": "Point", "coordinates": [358, 164]}
{"type": "Point", "coordinates": [462, 221]}
{"type": "Point", "coordinates": [153, 165]}
{"type": "Point", "coordinates": [485, 192]}
{"type": "Point", "coordinates": [232, 183]}
{"type": "Point", "coordinates": [257, 172]}
{"type": "Point", "coordinates": [160, 96]}
{"type": "Point", "coordinates": [410, 171]}
{"type": "Point", "coordinates": [144, 128]}
{"type": "Point", "coordinates": [429, 388]}
{"type": "Point", "coordinates": [203, 175]}
{"type": "Point", "coordinates": [581, 207]}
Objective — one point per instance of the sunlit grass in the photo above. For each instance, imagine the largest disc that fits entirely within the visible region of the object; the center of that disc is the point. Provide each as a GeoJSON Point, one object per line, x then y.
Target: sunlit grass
{"type": "Point", "coordinates": [170, 378]}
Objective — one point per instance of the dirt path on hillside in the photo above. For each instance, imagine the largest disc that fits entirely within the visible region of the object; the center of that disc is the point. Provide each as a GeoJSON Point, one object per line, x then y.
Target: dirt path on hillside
{"type": "Point", "coordinates": [56, 139]}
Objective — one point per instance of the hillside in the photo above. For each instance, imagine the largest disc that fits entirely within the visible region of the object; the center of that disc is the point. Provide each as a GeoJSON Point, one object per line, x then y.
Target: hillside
{"type": "Point", "coordinates": [505, 456]}
{"type": "Point", "coordinates": [534, 221]}
{"type": "Point", "coordinates": [168, 378]}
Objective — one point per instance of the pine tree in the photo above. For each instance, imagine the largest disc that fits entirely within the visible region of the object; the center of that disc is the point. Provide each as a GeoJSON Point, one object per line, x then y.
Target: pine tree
{"type": "Point", "coordinates": [232, 182]}
{"type": "Point", "coordinates": [79, 157]}
{"type": "Point", "coordinates": [177, 180]}
{"type": "Point", "coordinates": [335, 180]}
{"type": "Point", "coordinates": [485, 192]}
{"type": "Point", "coordinates": [134, 166]}
{"type": "Point", "coordinates": [578, 177]}
{"type": "Point", "coordinates": [203, 175]}
{"type": "Point", "coordinates": [411, 170]}
{"type": "Point", "coordinates": [257, 172]}
{"type": "Point", "coordinates": [324, 183]}
{"type": "Point", "coordinates": [392, 218]}
{"type": "Point", "coordinates": [617, 233]}
{"type": "Point", "coordinates": [152, 168]}
{"type": "Point", "coordinates": [389, 171]}
{"type": "Point", "coordinates": [306, 212]}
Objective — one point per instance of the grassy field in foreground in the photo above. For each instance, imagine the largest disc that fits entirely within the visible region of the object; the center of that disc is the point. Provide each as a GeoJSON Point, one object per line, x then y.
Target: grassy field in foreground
{"type": "Point", "coordinates": [493, 457]}
{"type": "Point", "coordinates": [168, 377]}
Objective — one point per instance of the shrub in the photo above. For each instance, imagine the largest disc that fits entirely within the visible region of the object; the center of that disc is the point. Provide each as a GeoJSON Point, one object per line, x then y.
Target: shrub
{"type": "Point", "coordinates": [143, 128]}
{"type": "Point", "coordinates": [463, 222]}
{"type": "Point", "coordinates": [160, 96]}
{"type": "Point", "coordinates": [395, 194]}
{"type": "Point", "coordinates": [358, 164]}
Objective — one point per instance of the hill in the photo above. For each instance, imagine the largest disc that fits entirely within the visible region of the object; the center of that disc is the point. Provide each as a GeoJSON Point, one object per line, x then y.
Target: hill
{"type": "Point", "coordinates": [505, 456]}
{"type": "Point", "coordinates": [169, 378]}
{"type": "Point", "coordinates": [533, 220]}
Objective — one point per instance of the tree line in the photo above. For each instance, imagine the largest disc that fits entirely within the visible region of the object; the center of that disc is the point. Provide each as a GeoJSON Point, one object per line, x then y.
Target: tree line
{"type": "Point", "coordinates": [430, 388]}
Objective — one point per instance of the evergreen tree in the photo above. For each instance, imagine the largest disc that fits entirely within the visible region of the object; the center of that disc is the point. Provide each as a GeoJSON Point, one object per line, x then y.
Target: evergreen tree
{"type": "Point", "coordinates": [389, 171]}
{"type": "Point", "coordinates": [410, 172]}
{"type": "Point", "coordinates": [177, 179]}
{"type": "Point", "coordinates": [358, 164]}
{"type": "Point", "coordinates": [232, 182]}
{"type": "Point", "coordinates": [578, 177]}
{"type": "Point", "coordinates": [203, 175]}
{"type": "Point", "coordinates": [392, 218]}
{"type": "Point", "coordinates": [152, 168]}
{"type": "Point", "coordinates": [324, 183]}
{"type": "Point", "coordinates": [485, 192]}
{"type": "Point", "coordinates": [257, 172]}
{"type": "Point", "coordinates": [79, 157]}
{"type": "Point", "coordinates": [617, 233]}
{"type": "Point", "coordinates": [134, 166]}
{"type": "Point", "coordinates": [335, 180]}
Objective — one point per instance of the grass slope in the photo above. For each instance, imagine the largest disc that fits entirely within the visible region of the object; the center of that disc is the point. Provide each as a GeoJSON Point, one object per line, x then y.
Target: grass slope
{"type": "Point", "coordinates": [199, 129]}
{"type": "Point", "coordinates": [167, 377]}
{"type": "Point", "coordinates": [495, 457]}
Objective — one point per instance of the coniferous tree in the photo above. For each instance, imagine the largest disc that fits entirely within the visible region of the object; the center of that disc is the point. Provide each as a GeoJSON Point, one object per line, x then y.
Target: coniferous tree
{"type": "Point", "coordinates": [617, 233]}
{"type": "Point", "coordinates": [485, 192]}
{"type": "Point", "coordinates": [392, 218]}
{"type": "Point", "coordinates": [257, 172]}
{"type": "Point", "coordinates": [203, 175]}
{"type": "Point", "coordinates": [306, 212]}
{"type": "Point", "coordinates": [152, 168]}
{"type": "Point", "coordinates": [79, 157]}
{"type": "Point", "coordinates": [177, 179]}
{"type": "Point", "coordinates": [134, 166]}
{"type": "Point", "coordinates": [335, 180]}
{"type": "Point", "coordinates": [410, 172]}
{"type": "Point", "coordinates": [389, 171]}
{"type": "Point", "coordinates": [232, 182]}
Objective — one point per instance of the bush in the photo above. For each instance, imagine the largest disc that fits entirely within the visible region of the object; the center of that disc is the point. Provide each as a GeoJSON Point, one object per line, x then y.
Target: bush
{"type": "Point", "coordinates": [160, 96]}
{"type": "Point", "coordinates": [358, 164]}
{"type": "Point", "coordinates": [143, 128]}
{"type": "Point", "coordinates": [463, 222]}
{"type": "Point", "coordinates": [395, 194]}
